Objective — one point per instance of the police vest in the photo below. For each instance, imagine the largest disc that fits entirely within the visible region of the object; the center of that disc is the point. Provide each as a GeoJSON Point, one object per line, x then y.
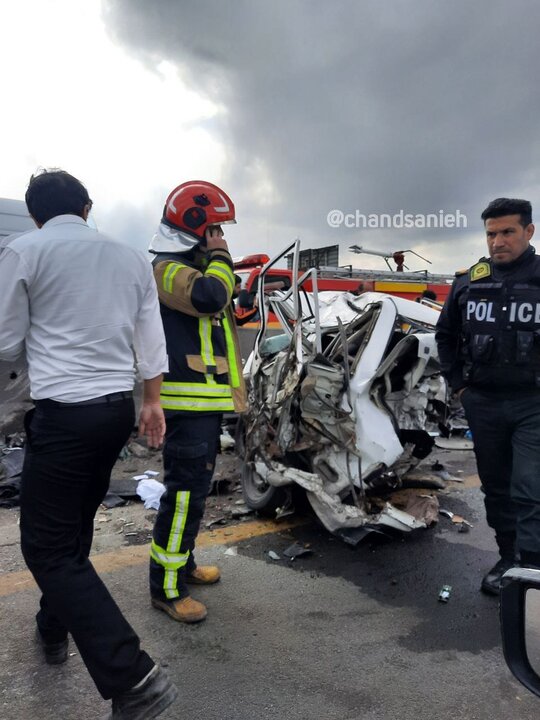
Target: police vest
{"type": "Point", "coordinates": [501, 328]}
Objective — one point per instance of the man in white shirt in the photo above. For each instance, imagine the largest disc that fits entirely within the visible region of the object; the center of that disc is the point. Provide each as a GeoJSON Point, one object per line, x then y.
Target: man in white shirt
{"type": "Point", "coordinates": [79, 305]}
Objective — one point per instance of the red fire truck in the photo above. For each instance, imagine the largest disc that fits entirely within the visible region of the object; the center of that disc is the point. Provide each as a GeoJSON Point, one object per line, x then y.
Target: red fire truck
{"type": "Point", "coordinates": [409, 285]}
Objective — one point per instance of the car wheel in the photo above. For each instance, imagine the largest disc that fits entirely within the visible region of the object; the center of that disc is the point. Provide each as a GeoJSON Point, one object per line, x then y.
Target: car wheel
{"type": "Point", "coordinates": [258, 494]}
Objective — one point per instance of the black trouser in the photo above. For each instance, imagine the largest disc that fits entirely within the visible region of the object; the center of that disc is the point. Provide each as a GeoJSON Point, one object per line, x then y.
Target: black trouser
{"type": "Point", "coordinates": [506, 434]}
{"type": "Point", "coordinates": [67, 467]}
{"type": "Point", "coordinates": [189, 456]}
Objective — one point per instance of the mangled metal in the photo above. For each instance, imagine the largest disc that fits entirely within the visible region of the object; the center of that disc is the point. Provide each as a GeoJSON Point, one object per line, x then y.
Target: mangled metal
{"type": "Point", "coordinates": [343, 404]}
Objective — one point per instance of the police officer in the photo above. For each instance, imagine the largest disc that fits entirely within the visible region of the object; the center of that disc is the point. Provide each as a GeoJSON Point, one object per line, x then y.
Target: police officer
{"type": "Point", "coordinates": [488, 337]}
{"type": "Point", "coordinates": [194, 274]}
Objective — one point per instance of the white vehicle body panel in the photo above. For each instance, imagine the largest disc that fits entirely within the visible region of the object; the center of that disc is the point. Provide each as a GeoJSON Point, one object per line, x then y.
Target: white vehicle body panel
{"type": "Point", "coordinates": [345, 402]}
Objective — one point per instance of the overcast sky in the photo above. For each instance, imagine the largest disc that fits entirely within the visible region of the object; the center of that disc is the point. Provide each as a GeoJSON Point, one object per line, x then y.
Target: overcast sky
{"type": "Point", "coordinates": [294, 108]}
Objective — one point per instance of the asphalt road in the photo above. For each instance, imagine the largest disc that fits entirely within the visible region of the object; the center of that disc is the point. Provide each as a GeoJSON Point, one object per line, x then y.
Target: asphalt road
{"type": "Point", "coordinates": [341, 634]}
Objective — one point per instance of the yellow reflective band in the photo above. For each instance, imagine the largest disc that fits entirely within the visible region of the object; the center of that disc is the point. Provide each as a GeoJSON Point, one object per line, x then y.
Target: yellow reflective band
{"type": "Point", "coordinates": [170, 584]}
{"type": "Point", "coordinates": [210, 389]}
{"type": "Point", "coordinates": [224, 266]}
{"type": "Point", "coordinates": [218, 274]}
{"type": "Point", "coordinates": [223, 271]}
{"type": "Point", "coordinates": [170, 561]}
{"type": "Point", "coordinates": [197, 404]}
{"type": "Point", "coordinates": [168, 275]}
{"type": "Point", "coordinates": [179, 521]}
{"type": "Point", "coordinates": [234, 375]}
{"type": "Point", "coordinates": [205, 333]}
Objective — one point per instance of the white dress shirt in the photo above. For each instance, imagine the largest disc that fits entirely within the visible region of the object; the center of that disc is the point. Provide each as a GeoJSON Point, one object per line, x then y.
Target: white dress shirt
{"type": "Point", "coordinates": [80, 303]}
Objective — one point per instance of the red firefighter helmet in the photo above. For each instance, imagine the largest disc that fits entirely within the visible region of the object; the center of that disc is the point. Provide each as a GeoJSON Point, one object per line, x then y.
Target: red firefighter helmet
{"type": "Point", "coordinates": [194, 205]}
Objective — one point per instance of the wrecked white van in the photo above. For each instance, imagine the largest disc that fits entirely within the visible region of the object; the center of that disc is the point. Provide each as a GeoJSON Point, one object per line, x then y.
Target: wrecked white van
{"type": "Point", "coordinates": [344, 404]}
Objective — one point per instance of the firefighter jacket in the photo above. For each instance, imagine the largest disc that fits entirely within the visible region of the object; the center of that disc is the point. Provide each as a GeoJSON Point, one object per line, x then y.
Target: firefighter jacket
{"type": "Point", "coordinates": [205, 366]}
{"type": "Point", "coordinates": [488, 334]}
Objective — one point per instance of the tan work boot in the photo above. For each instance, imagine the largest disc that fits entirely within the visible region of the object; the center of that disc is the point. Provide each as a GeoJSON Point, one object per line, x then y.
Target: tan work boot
{"type": "Point", "coordinates": [204, 575]}
{"type": "Point", "coordinates": [185, 610]}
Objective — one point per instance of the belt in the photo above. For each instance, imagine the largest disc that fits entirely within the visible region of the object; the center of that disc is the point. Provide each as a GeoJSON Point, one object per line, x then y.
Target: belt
{"type": "Point", "coordinates": [102, 400]}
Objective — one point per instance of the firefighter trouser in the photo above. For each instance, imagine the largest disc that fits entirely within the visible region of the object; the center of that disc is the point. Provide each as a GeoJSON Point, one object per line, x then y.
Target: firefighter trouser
{"type": "Point", "coordinates": [189, 456]}
{"type": "Point", "coordinates": [70, 452]}
{"type": "Point", "coordinates": [506, 435]}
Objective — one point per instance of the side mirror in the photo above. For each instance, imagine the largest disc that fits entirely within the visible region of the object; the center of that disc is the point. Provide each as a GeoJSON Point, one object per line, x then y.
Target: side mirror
{"type": "Point", "coordinates": [520, 624]}
{"type": "Point", "coordinates": [245, 299]}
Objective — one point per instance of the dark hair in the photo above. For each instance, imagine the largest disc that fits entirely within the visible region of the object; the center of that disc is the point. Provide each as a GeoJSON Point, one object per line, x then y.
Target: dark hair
{"type": "Point", "coordinates": [508, 206]}
{"type": "Point", "coordinates": [429, 294]}
{"type": "Point", "coordinates": [55, 192]}
{"type": "Point", "coordinates": [237, 279]}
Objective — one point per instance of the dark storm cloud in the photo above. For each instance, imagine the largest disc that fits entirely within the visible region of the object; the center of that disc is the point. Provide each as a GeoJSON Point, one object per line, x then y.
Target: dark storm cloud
{"type": "Point", "coordinates": [378, 106]}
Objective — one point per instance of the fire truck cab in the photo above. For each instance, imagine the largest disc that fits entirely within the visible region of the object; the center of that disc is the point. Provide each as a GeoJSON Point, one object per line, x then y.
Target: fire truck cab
{"type": "Point", "coordinates": [408, 285]}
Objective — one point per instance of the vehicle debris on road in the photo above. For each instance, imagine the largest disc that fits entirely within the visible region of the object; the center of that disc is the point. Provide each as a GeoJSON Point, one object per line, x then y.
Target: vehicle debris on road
{"type": "Point", "coordinates": [457, 519]}
{"type": "Point", "coordinates": [222, 520]}
{"type": "Point", "coordinates": [444, 593]}
{"type": "Point", "coordinates": [344, 404]}
{"type": "Point", "coordinates": [227, 442]}
{"type": "Point", "coordinates": [11, 462]}
{"type": "Point", "coordinates": [296, 550]}
{"type": "Point", "coordinates": [111, 500]}
{"type": "Point", "coordinates": [138, 449]}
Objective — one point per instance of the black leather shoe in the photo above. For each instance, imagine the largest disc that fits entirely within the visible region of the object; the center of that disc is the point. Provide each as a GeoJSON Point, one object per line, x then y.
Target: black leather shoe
{"type": "Point", "coordinates": [147, 701]}
{"type": "Point", "coordinates": [491, 582]}
{"type": "Point", "coordinates": [55, 653]}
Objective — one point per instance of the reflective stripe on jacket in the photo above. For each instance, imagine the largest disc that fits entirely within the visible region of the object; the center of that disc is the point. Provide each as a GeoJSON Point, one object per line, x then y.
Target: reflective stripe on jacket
{"type": "Point", "coordinates": [205, 368]}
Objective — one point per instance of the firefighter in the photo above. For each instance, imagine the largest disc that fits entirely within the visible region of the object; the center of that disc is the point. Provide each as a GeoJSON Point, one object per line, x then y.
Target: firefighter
{"type": "Point", "coordinates": [489, 346]}
{"type": "Point", "coordinates": [194, 274]}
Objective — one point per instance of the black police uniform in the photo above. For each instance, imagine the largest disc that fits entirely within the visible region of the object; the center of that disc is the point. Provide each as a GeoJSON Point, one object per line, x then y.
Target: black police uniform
{"type": "Point", "coordinates": [488, 337]}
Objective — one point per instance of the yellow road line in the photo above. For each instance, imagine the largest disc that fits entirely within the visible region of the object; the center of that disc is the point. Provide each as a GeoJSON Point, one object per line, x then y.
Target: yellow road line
{"type": "Point", "coordinates": [122, 557]}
